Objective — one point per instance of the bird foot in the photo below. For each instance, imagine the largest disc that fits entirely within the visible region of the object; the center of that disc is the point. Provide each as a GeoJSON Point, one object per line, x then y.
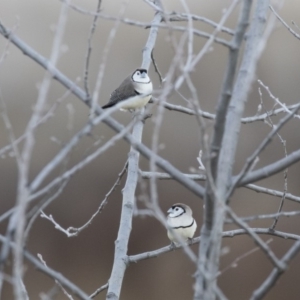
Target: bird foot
{"type": "Point", "coordinates": [145, 117]}
{"type": "Point", "coordinates": [190, 241]}
{"type": "Point", "coordinates": [172, 245]}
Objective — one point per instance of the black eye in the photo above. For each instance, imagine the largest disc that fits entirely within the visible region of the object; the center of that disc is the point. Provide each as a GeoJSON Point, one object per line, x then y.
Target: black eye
{"type": "Point", "coordinates": [176, 208]}
{"type": "Point", "coordinates": [138, 73]}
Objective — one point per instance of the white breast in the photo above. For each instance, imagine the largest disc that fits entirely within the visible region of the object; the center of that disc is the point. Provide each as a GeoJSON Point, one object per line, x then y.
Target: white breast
{"type": "Point", "coordinates": [143, 88]}
{"type": "Point", "coordinates": [135, 102]}
{"type": "Point", "coordinates": [183, 233]}
{"type": "Point", "coordinates": [138, 101]}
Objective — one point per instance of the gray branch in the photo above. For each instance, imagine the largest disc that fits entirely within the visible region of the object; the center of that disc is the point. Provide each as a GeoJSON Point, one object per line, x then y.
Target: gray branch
{"type": "Point", "coordinates": [250, 160]}
{"type": "Point", "coordinates": [51, 273]}
{"type": "Point", "coordinates": [121, 244]}
{"type": "Point", "coordinates": [109, 121]}
{"type": "Point", "coordinates": [226, 234]}
{"type": "Point", "coordinates": [210, 116]}
{"type": "Point", "coordinates": [271, 169]}
{"type": "Point", "coordinates": [276, 273]}
{"type": "Point", "coordinates": [202, 177]}
{"type": "Point", "coordinates": [222, 167]}
{"type": "Point", "coordinates": [201, 286]}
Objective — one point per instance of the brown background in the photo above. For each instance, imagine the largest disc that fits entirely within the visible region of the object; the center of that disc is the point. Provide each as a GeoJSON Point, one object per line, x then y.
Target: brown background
{"type": "Point", "coordinates": [87, 259]}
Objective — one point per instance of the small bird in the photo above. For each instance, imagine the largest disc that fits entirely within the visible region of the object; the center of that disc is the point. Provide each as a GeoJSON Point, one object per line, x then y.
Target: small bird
{"type": "Point", "coordinates": [181, 222]}
{"type": "Point", "coordinates": [134, 92]}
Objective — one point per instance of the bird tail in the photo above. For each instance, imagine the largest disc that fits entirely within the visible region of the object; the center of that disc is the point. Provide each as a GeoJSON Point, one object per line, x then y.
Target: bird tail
{"type": "Point", "coordinates": [108, 105]}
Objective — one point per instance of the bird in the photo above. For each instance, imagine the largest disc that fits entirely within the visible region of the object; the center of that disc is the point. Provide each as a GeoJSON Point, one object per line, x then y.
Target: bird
{"type": "Point", "coordinates": [182, 225]}
{"type": "Point", "coordinates": [134, 92]}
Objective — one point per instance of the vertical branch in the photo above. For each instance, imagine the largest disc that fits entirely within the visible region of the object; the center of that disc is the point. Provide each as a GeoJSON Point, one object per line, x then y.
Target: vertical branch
{"type": "Point", "coordinates": [110, 39]}
{"type": "Point", "coordinates": [276, 273]}
{"type": "Point", "coordinates": [254, 47]}
{"type": "Point", "coordinates": [17, 221]}
{"type": "Point", "coordinates": [89, 51]}
{"type": "Point", "coordinates": [223, 103]}
{"type": "Point", "coordinates": [121, 244]}
{"type": "Point", "coordinates": [210, 250]}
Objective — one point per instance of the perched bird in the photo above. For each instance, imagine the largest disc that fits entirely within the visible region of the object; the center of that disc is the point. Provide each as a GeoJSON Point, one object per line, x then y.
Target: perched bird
{"type": "Point", "coordinates": [181, 222]}
{"type": "Point", "coordinates": [134, 92]}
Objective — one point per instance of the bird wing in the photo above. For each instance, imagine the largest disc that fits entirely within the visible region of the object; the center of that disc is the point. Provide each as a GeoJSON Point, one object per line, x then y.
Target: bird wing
{"type": "Point", "coordinates": [126, 88]}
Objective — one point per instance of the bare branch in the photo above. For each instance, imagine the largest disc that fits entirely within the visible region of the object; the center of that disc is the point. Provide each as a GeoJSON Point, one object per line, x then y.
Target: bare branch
{"type": "Point", "coordinates": [44, 203]}
{"type": "Point", "coordinates": [223, 103]}
{"type": "Point", "coordinates": [166, 17]}
{"type": "Point", "coordinates": [72, 231]}
{"type": "Point", "coordinates": [207, 45]}
{"type": "Point", "coordinates": [295, 34]}
{"type": "Point", "coordinates": [268, 216]}
{"type": "Point", "coordinates": [276, 273]}
{"type": "Point", "coordinates": [56, 281]}
{"type": "Point", "coordinates": [27, 151]}
{"type": "Point", "coordinates": [201, 177]}
{"type": "Point", "coordinates": [185, 16]}
{"type": "Point", "coordinates": [110, 39]}
{"type": "Point", "coordinates": [270, 254]}
{"type": "Point", "coordinates": [81, 164]}
{"type": "Point", "coordinates": [89, 51]}
{"type": "Point", "coordinates": [156, 68]}
{"type": "Point", "coordinates": [271, 169]}
{"type": "Point", "coordinates": [210, 116]}
{"type": "Point", "coordinates": [276, 100]}
{"type": "Point", "coordinates": [77, 91]}
{"type": "Point", "coordinates": [99, 290]}
{"type": "Point", "coordinates": [260, 148]}
{"type": "Point", "coordinates": [239, 258]}
{"type": "Point", "coordinates": [210, 248]}
{"type": "Point", "coordinates": [226, 234]}
{"type": "Point", "coordinates": [121, 244]}
{"type": "Point", "coordinates": [51, 273]}
{"type": "Point", "coordinates": [272, 192]}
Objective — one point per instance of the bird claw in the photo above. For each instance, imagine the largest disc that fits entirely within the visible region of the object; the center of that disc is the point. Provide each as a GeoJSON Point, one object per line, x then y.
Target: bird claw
{"type": "Point", "coordinates": [172, 245]}
{"type": "Point", "coordinates": [145, 117]}
{"type": "Point", "coordinates": [190, 241]}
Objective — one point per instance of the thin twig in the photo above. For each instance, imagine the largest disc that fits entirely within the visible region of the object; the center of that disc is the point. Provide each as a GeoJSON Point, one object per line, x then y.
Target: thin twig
{"type": "Point", "coordinates": [226, 234]}
{"type": "Point", "coordinates": [268, 216]}
{"type": "Point", "coordinates": [72, 231]}
{"type": "Point", "coordinates": [89, 51]}
{"type": "Point", "coordinates": [202, 177]}
{"type": "Point", "coordinates": [81, 164]}
{"type": "Point", "coordinates": [259, 149]}
{"type": "Point", "coordinates": [285, 172]}
{"type": "Point", "coordinates": [234, 264]}
{"type": "Point", "coordinates": [270, 254]}
{"type": "Point", "coordinates": [161, 80]}
{"type": "Point", "coordinates": [271, 169]}
{"type": "Point", "coordinates": [276, 273]}
{"type": "Point", "coordinates": [77, 91]}
{"type": "Point", "coordinates": [100, 75]}
{"type": "Point", "coordinates": [99, 290]}
{"type": "Point", "coordinates": [56, 281]}
{"type": "Point", "coordinates": [50, 272]}
{"type": "Point", "coordinates": [295, 34]}
{"type": "Point", "coordinates": [42, 206]}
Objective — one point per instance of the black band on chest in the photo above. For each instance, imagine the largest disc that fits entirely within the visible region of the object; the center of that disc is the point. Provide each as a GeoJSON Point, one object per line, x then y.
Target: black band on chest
{"type": "Point", "coordinates": [185, 226]}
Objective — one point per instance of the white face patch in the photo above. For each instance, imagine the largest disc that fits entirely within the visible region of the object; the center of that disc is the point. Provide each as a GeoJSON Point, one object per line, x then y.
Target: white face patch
{"type": "Point", "coordinates": [140, 77]}
{"type": "Point", "coordinates": [175, 211]}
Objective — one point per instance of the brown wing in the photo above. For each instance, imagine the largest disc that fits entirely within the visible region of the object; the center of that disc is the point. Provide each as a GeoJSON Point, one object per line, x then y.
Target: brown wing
{"type": "Point", "coordinates": [123, 92]}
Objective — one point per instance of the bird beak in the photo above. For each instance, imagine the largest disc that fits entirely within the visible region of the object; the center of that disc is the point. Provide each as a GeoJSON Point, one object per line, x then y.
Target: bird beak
{"type": "Point", "coordinates": [169, 211]}
{"type": "Point", "coordinates": [143, 75]}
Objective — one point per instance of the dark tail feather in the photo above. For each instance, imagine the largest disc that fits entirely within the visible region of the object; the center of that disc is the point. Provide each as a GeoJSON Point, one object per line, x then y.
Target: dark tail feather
{"type": "Point", "coordinates": [108, 105]}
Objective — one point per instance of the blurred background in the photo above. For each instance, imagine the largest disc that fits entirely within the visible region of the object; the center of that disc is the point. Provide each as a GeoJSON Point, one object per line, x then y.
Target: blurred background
{"type": "Point", "coordinates": [87, 259]}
